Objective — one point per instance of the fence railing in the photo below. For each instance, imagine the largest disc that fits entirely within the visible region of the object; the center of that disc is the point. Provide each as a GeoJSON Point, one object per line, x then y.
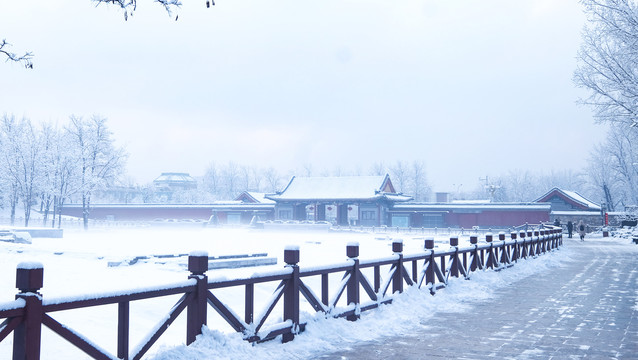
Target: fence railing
{"type": "Point", "coordinates": [430, 269]}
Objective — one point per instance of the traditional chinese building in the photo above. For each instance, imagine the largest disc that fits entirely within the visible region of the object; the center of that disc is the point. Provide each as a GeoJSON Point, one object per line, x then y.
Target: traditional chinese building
{"type": "Point", "coordinates": [344, 200]}
{"type": "Point", "coordinates": [571, 206]}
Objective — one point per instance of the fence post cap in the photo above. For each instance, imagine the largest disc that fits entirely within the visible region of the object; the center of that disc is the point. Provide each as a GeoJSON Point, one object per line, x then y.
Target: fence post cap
{"type": "Point", "coordinates": [352, 250]}
{"type": "Point", "coordinates": [291, 255]}
{"type": "Point", "coordinates": [29, 276]}
{"type": "Point", "coordinates": [488, 237]}
{"type": "Point", "coordinates": [198, 262]}
{"type": "Point", "coordinates": [513, 235]}
{"type": "Point", "coordinates": [429, 243]}
{"type": "Point", "coordinates": [473, 239]}
{"type": "Point", "coordinates": [397, 245]}
{"type": "Point", "coordinates": [454, 241]}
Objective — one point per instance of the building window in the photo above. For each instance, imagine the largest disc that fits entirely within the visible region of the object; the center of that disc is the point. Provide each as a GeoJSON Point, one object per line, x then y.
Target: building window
{"type": "Point", "coordinates": [400, 221]}
{"type": "Point", "coordinates": [368, 215]}
{"type": "Point", "coordinates": [433, 220]}
{"type": "Point", "coordinates": [285, 214]}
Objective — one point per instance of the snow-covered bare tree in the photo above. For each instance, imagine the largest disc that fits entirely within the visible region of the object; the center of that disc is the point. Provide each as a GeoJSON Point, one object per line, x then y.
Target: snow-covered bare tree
{"type": "Point", "coordinates": [608, 60]}
{"type": "Point", "coordinates": [25, 153]}
{"type": "Point", "coordinates": [66, 170]}
{"type": "Point", "coordinates": [520, 186]}
{"type": "Point", "coordinates": [400, 176]}
{"type": "Point", "coordinates": [419, 187]}
{"type": "Point", "coordinates": [10, 134]}
{"type": "Point", "coordinates": [620, 154]}
{"type": "Point", "coordinates": [602, 182]}
{"type": "Point", "coordinates": [212, 180]}
{"type": "Point", "coordinates": [273, 180]}
{"type": "Point", "coordinates": [378, 169]}
{"type": "Point", "coordinates": [99, 161]}
{"type": "Point", "coordinates": [230, 179]}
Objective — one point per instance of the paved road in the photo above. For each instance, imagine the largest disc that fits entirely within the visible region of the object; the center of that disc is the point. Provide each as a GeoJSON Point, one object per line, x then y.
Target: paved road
{"type": "Point", "coordinates": [588, 309]}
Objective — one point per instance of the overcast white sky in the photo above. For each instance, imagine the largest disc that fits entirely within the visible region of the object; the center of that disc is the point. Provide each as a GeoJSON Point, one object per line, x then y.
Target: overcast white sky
{"type": "Point", "coordinates": [472, 88]}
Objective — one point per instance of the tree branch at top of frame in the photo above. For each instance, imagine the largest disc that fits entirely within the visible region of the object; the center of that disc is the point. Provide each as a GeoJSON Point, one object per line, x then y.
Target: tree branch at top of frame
{"type": "Point", "coordinates": [129, 6]}
{"type": "Point", "coordinates": [25, 59]}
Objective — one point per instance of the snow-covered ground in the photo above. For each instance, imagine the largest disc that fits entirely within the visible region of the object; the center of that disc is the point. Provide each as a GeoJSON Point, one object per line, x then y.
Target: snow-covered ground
{"type": "Point", "coordinates": [78, 265]}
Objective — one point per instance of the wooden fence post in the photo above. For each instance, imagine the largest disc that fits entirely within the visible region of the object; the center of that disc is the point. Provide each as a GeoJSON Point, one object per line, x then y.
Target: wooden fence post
{"type": "Point", "coordinates": [454, 268]}
{"type": "Point", "coordinates": [27, 335]}
{"type": "Point", "coordinates": [489, 263]}
{"type": "Point", "coordinates": [475, 258]}
{"type": "Point", "coordinates": [504, 250]}
{"type": "Point", "coordinates": [291, 293]}
{"type": "Point", "coordinates": [530, 250]}
{"type": "Point", "coordinates": [196, 310]}
{"type": "Point", "coordinates": [352, 251]}
{"type": "Point", "coordinates": [516, 252]}
{"type": "Point", "coordinates": [429, 270]}
{"type": "Point", "coordinates": [397, 278]}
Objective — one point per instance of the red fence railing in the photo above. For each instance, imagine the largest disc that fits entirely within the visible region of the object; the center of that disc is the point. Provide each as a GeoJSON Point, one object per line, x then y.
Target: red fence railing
{"type": "Point", "coordinates": [430, 269]}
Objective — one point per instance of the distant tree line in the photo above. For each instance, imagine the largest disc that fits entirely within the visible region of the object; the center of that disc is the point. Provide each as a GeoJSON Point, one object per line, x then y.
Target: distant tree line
{"type": "Point", "coordinates": [44, 166]}
{"type": "Point", "coordinates": [225, 181]}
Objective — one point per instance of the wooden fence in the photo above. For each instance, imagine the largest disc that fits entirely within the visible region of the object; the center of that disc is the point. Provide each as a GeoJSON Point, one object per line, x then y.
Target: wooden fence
{"type": "Point", "coordinates": [430, 269]}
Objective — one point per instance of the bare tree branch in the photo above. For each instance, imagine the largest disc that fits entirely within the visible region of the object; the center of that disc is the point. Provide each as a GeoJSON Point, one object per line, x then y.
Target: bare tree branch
{"type": "Point", "coordinates": [608, 60]}
{"type": "Point", "coordinates": [24, 59]}
{"type": "Point", "coordinates": [129, 6]}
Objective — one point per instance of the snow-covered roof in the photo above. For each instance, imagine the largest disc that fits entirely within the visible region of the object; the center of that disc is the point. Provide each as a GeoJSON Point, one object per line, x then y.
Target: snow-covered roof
{"type": "Point", "coordinates": [339, 188]}
{"type": "Point", "coordinates": [216, 204]}
{"type": "Point", "coordinates": [575, 213]}
{"type": "Point", "coordinates": [481, 201]}
{"type": "Point", "coordinates": [174, 177]}
{"type": "Point", "coordinates": [570, 196]}
{"type": "Point", "coordinates": [470, 206]}
{"type": "Point", "coordinates": [254, 197]}
{"type": "Point", "coordinates": [578, 197]}
{"type": "Point", "coordinates": [175, 180]}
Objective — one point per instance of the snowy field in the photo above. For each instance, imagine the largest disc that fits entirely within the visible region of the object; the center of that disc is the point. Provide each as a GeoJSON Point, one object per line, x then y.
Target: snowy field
{"type": "Point", "coordinates": [78, 265]}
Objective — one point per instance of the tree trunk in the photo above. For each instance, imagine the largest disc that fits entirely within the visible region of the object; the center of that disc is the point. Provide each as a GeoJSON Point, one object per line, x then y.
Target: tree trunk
{"type": "Point", "coordinates": [85, 211]}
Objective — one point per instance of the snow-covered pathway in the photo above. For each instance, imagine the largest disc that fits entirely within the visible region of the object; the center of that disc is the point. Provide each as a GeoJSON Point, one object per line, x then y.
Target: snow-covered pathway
{"type": "Point", "coordinates": [586, 309]}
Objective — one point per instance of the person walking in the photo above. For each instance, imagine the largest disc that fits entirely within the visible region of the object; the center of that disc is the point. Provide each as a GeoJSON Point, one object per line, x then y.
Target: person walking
{"type": "Point", "coordinates": [581, 230]}
{"type": "Point", "coordinates": [570, 229]}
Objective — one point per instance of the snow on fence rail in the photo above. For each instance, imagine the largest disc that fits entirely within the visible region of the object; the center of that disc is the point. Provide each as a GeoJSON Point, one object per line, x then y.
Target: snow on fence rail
{"type": "Point", "coordinates": [430, 269]}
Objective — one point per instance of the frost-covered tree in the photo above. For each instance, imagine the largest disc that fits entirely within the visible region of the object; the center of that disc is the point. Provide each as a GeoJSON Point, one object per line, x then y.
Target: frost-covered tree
{"type": "Point", "coordinates": [614, 165]}
{"type": "Point", "coordinates": [400, 177]}
{"type": "Point", "coordinates": [9, 140]}
{"type": "Point", "coordinates": [230, 179]}
{"type": "Point", "coordinates": [22, 157]}
{"type": "Point", "coordinates": [272, 179]}
{"type": "Point", "coordinates": [99, 161]}
{"type": "Point", "coordinates": [65, 177]}
{"type": "Point", "coordinates": [419, 187]}
{"type": "Point", "coordinates": [608, 60]}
